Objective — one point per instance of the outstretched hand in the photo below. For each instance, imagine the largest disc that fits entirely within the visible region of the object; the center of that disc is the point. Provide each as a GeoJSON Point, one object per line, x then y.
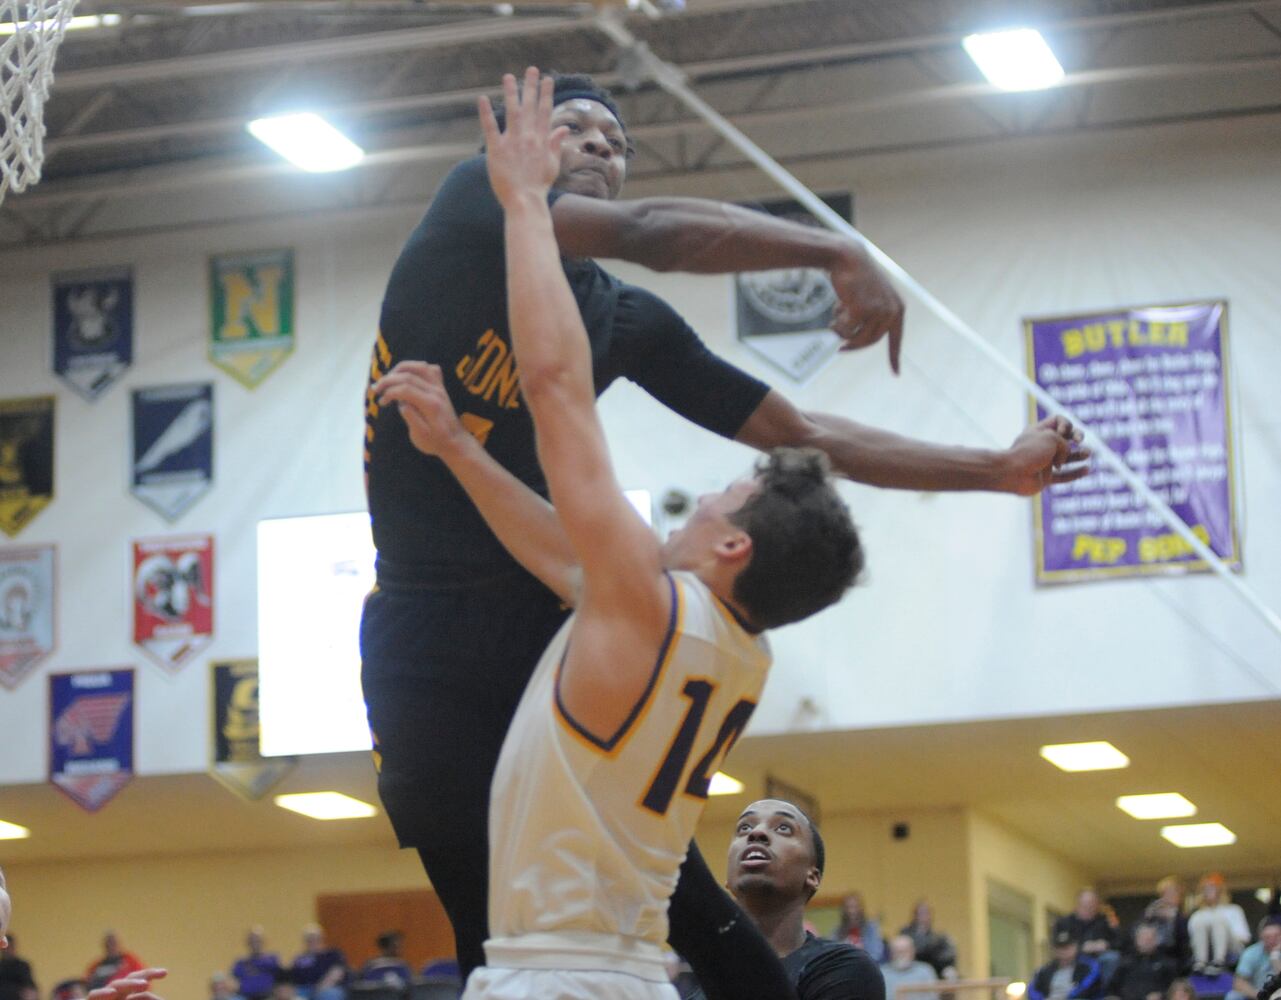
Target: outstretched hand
{"type": "Point", "coordinates": [524, 158]}
{"type": "Point", "coordinates": [1046, 453]}
{"type": "Point", "coordinates": [135, 986]}
{"type": "Point", "coordinates": [869, 308]}
{"type": "Point", "coordinates": [419, 390]}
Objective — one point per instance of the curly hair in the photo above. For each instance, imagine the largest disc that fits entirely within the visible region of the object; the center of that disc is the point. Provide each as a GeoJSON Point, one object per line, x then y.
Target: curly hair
{"type": "Point", "coordinates": [805, 549]}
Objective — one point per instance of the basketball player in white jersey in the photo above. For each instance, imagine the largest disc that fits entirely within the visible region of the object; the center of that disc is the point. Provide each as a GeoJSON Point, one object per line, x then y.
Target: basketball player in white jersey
{"type": "Point", "coordinates": [636, 702]}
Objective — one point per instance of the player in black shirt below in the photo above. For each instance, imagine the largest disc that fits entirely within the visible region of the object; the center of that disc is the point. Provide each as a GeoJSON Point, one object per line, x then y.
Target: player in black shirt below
{"type": "Point", "coordinates": [454, 627]}
{"type": "Point", "coordinates": [776, 862]}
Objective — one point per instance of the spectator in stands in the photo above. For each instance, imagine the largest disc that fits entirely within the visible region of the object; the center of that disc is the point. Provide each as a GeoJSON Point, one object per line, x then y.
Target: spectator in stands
{"type": "Point", "coordinates": [16, 979]}
{"type": "Point", "coordinates": [776, 861]}
{"type": "Point", "coordinates": [70, 989]}
{"type": "Point", "coordinates": [388, 968]}
{"type": "Point", "coordinates": [223, 987]}
{"type": "Point", "coordinates": [903, 968]}
{"type": "Point", "coordinates": [858, 929]}
{"type": "Point", "coordinates": [1259, 962]}
{"type": "Point", "coordinates": [283, 987]}
{"type": "Point", "coordinates": [1148, 972]}
{"type": "Point", "coordinates": [1217, 928]}
{"type": "Point", "coordinates": [1093, 932]}
{"type": "Point", "coordinates": [116, 963]}
{"type": "Point", "coordinates": [1166, 914]}
{"type": "Point", "coordinates": [1181, 989]}
{"type": "Point", "coordinates": [933, 947]}
{"type": "Point", "coordinates": [1069, 975]}
{"type": "Point", "coordinates": [319, 973]}
{"type": "Point", "coordinates": [1271, 989]}
{"type": "Point", "coordinates": [256, 972]}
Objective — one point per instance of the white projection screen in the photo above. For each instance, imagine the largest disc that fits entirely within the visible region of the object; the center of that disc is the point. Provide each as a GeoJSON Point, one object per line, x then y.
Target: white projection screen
{"type": "Point", "coordinates": [313, 575]}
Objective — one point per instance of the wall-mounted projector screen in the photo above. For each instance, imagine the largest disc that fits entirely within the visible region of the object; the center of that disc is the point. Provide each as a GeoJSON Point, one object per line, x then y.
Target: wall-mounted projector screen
{"type": "Point", "coordinates": [313, 575]}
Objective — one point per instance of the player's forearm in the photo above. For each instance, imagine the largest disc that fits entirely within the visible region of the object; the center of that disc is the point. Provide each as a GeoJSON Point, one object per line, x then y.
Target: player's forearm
{"type": "Point", "coordinates": [885, 459]}
{"type": "Point", "coordinates": [523, 522]}
{"type": "Point", "coordinates": [548, 338]}
{"type": "Point", "coordinates": [709, 237]}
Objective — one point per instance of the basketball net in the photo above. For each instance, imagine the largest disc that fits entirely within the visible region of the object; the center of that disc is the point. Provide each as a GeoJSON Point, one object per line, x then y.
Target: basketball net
{"type": "Point", "coordinates": [30, 32]}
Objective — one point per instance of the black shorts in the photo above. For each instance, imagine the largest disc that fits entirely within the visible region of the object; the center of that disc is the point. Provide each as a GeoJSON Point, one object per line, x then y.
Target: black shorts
{"type": "Point", "coordinates": [443, 669]}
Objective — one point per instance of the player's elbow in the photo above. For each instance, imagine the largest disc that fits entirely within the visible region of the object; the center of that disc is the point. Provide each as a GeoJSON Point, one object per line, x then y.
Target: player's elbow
{"type": "Point", "coordinates": [544, 383]}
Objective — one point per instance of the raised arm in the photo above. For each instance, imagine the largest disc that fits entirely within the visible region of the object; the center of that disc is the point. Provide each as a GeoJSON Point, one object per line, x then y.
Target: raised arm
{"type": "Point", "coordinates": [710, 237]}
{"type": "Point", "coordinates": [523, 521]}
{"type": "Point", "coordinates": [1043, 454]}
{"type": "Point", "coordinates": [619, 555]}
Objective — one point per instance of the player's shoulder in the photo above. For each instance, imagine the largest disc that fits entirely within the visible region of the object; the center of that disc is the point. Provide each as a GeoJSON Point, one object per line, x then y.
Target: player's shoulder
{"type": "Point", "coordinates": [822, 954]}
{"type": "Point", "coordinates": [701, 614]}
{"type": "Point", "coordinates": [834, 970]}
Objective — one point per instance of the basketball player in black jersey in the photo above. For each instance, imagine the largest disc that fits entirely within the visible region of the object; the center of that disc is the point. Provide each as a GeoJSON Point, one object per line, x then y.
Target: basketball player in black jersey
{"type": "Point", "coordinates": [454, 626]}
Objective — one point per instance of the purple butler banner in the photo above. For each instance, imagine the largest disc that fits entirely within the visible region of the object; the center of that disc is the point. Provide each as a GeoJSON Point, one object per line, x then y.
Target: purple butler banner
{"type": "Point", "coordinates": [1152, 383]}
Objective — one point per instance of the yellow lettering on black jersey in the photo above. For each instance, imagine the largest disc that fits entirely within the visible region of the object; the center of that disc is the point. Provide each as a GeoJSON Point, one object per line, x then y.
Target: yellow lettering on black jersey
{"type": "Point", "coordinates": [491, 372]}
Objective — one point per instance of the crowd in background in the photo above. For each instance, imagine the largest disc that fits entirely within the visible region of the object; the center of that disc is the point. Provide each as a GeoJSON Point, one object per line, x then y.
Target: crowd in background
{"type": "Point", "coordinates": [317, 972]}
{"type": "Point", "coordinates": [1177, 950]}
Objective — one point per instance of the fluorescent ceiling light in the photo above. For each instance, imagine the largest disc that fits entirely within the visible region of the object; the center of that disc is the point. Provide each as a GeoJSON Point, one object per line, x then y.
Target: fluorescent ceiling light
{"type": "Point", "coordinates": [1098, 755]}
{"type": "Point", "coordinates": [308, 141]}
{"type": "Point", "coordinates": [1014, 60]}
{"type": "Point", "coordinates": [12, 831]}
{"type": "Point", "coordinates": [326, 805]}
{"type": "Point", "coordinates": [1161, 805]}
{"type": "Point", "coordinates": [1198, 835]}
{"type": "Point", "coordinates": [723, 784]}
{"type": "Point", "coordinates": [75, 24]}
{"type": "Point", "coordinates": [1016, 990]}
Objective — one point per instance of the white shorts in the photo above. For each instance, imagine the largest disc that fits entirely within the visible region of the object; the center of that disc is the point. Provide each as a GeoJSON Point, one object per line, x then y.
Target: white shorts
{"type": "Point", "coordinates": [489, 983]}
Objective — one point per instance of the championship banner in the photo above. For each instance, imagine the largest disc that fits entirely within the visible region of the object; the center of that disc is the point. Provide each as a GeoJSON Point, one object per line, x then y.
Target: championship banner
{"type": "Point", "coordinates": [785, 315]}
{"type": "Point", "coordinates": [251, 310]}
{"type": "Point", "coordinates": [92, 328]}
{"type": "Point", "coordinates": [27, 616]}
{"type": "Point", "coordinates": [236, 760]}
{"type": "Point", "coordinates": [173, 597]}
{"type": "Point", "coordinates": [1152, 382]}
{"type": "Point", "coordinates": [91, 734]}
{"type": "Point", "coordinates": [172, 446]}
{"type": "Point", "coordinates": [26, 460]}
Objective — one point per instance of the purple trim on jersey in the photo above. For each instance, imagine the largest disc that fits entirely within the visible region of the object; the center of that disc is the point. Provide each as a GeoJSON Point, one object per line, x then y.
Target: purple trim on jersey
{"type": "Point", "coordinates": [609, 744]}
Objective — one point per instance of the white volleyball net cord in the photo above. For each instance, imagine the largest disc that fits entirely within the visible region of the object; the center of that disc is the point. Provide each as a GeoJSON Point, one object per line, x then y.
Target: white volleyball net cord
{"type": "Point", "coordinates": [30, 33]}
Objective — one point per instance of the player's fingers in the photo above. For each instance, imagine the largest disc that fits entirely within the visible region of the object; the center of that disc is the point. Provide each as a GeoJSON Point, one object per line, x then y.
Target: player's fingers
{"type": "Point", "coordinates": [896, 338]}
{"type": "Point", "coordinates": [1069, 473]}
{"type": "Point", "coordinates": [488, 123]}
{"type": "Point", "coordinates": [1062, 448]}
{"type": "Point", "coordinates": [412, 366]}
{"type": "Point", "coordinates": [546, 86]}
{"type": "Point", "coordinates": [1078, 455]}
{"type": "Point", "coordinates": [530, 92]}
{"type": "Point", "coordinates": [511, 102]}
{"type": "Point", "coordinates": [557, 138]}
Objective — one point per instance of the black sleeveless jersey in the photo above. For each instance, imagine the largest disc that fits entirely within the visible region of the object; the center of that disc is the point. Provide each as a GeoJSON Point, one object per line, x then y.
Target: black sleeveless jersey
{"type": "Point", "coordinates": [446, 303]}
